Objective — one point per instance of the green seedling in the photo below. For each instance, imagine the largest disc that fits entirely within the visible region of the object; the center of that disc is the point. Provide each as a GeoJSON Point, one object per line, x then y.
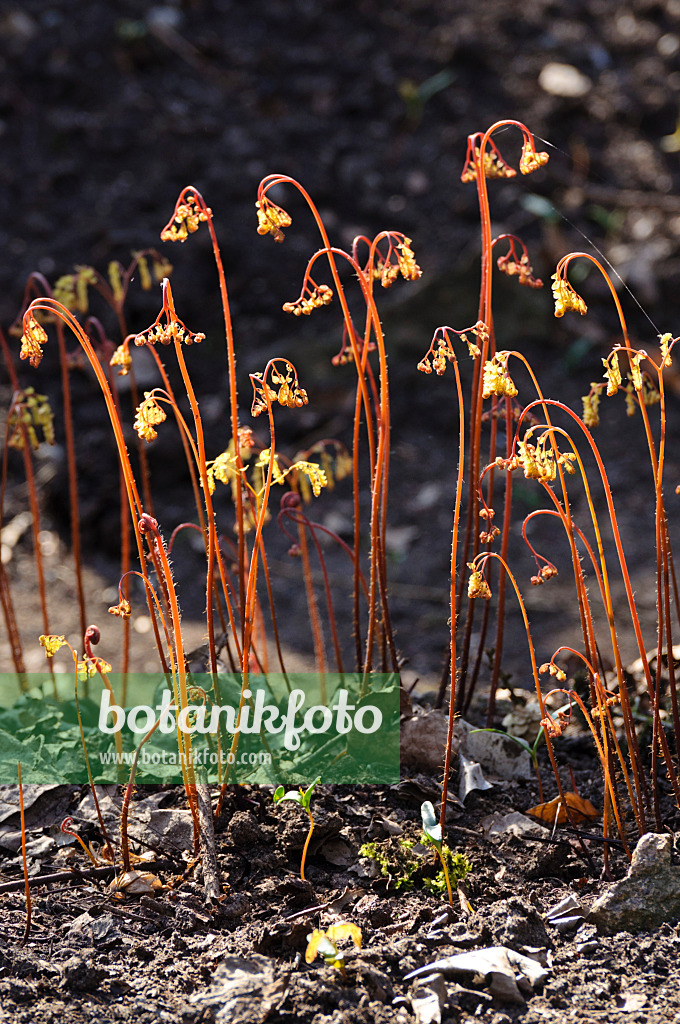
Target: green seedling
{"type": "Point", "coordinates": [323, 944]}
{"type": "Point", "coordinates": [458, 866]}
{"type": "Point", "coordinates": [433, 831]}
{"type": "Point", "coordinates": [402, 861]}
{"type": "Point", "coordinates": [304, 799]}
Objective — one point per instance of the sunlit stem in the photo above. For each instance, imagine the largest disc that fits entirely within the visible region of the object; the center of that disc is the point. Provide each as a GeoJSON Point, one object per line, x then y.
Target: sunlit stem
{"type": "Point", "coordinates": [251, 585]}
{"type": "Point", "coordinates": [379, 458]}
{"type": "Point", "coordinates": [307, 842]}
{"type": "Point", "coordinates": [561, 271]}
{"type": "Point", "coordinates": [603, 753]}
{"type": "Point", "coordinates": [453, 652]}
{"type": "Point", "coordinates": [233, 393]}
{"type": "Point", "coordinates": [51, 306]}
{"type": "Point", "coordinates": [479, 562]}
{"type": "Point", "coordinates": [627, 584]}
{"type": "Point", "coordinates": [477, 148]}
{"type": "Point", "coordinates": [148, 525]}
{"type": "Point", "coordinates": [379, 482]}
{"type": "Point", "coordinates": [24, 857]}
{"type": "Point", "coordinates": [35, 282]}
{"type": "Point", "coordinates": [586, 613]}
{"type": "Point", "coordinates": [35, 514]}
{"type": "Point", "coordinates": [213, 547]}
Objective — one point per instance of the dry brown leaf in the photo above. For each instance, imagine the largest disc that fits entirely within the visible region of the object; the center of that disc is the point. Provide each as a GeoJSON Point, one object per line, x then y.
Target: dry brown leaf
{"type": "Point", "coordinates": [135, 883]}
{"type": "Point", "coordinates": [581, 810]}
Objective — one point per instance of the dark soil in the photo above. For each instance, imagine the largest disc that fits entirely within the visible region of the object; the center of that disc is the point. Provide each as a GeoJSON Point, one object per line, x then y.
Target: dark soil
{"type": "Point", "coordinates": [167, 955]}
{"type": "Point", "coordinates": [106, 113]}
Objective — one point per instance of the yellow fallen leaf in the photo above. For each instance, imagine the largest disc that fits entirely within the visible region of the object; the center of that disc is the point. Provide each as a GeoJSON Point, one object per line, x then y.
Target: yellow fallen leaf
{"type": "Point", "coordinates": [318, 942]}
{"type": "Point", "coordinates": [343, 931]}
{"type": "Point", "coordinates": [323, 943]}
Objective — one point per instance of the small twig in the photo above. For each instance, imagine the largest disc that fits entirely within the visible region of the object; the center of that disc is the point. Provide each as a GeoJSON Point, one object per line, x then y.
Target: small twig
{"type": "Point", "coordinates": [580, 850]}
{"type": "Point", "coordinates": [211, 871]}
{"type": "Point", "coordinates": [595, 839]}
{"type": "Point", "coordinates": [463, 898]}
{"type": "Point", "coordinates": [156, 906]}
{"type": "Point", "coordinates": [27, 887]}
{"type": "Point", "coordinates": [308, 910]}
{"type": "Point", "coordinates": [73, 875]}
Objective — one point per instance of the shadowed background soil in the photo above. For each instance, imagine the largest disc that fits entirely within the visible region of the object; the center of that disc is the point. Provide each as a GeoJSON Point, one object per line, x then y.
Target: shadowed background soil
{"type": "Point", "coordinates": [106, 114]}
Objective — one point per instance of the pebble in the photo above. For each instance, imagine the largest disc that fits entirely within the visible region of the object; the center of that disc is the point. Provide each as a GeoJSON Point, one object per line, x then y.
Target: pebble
{"type": "Point", "coordinates": [564, 80]}
{"type": "Point", "coordinates": [648, 896]}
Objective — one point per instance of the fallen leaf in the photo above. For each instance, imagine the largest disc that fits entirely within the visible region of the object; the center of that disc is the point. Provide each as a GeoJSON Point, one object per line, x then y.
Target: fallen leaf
{"type": "Point", "coordinates": [414, 790]}
{"type": "Point", "coordinates": [471, 777]}
{"type": "Point", "coordinates": [86, 930]}
{"type": "Point", "coordinates": [565, 906]}
{"type": "Point", "coordinates": [499, 755]}
{"type": "Point", "coordinates": [504, 970]}
{"type": "Point", "coordinates": [555, 811]}
{"type": "Point", "coordinates": [424, 738]}
{"type": "Point", "coordinates": [566, 915]}
{"type": "Point", "coordinates": [43, 801]}
{"type": "Point", "coordinates": [338, 852]}
{"type": "Point", "coordinates": [345, 897]}
{"type": "Point", "coordinates": [135, 883]}
{"type": "Point", "coordinates": [392, 828]}
{"type": "Point", "coordinates": [516, 823]}
{"type": "Point", "coordinates": [345, 931]}
{"type": "Point", "coordinates": [428, 999]}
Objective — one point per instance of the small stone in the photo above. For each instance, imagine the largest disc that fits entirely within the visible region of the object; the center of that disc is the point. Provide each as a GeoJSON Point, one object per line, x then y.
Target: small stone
{"type": "Point", "coordinates": [647, 897]}
{"type": "Point", "coordinates": [424, 737]}
{"type": "Point", "coordinates": [564, 80]}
